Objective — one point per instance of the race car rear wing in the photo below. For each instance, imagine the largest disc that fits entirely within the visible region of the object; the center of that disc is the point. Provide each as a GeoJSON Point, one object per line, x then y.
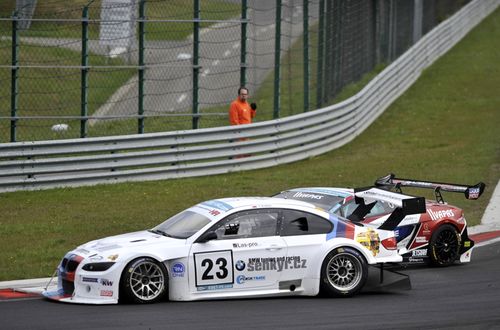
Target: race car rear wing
{"type": "Point", "coordinates": [470, 192]}
{"type": "Point", "coordinates": [404, 205]}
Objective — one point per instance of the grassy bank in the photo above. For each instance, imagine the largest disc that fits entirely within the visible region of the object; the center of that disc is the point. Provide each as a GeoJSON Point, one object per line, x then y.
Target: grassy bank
{"type": "Point", "coordinates": [444, 128]}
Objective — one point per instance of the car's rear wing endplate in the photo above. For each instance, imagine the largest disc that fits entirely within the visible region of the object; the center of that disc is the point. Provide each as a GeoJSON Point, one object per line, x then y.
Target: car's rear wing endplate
{"type": "Point", "coordinates": [470, 192]}
{"type": "Point", "coordinates": [404, 205]}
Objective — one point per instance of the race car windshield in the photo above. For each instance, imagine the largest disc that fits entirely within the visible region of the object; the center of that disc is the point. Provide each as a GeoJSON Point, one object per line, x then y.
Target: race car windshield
{"type": "Point", "coordinates": [182, 225]}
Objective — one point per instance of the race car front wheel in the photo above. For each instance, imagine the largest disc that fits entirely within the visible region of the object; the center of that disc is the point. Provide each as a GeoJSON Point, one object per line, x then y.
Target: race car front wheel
{"type": "Point", "coordinates": [444, 246]}
{"type": "Point", "coordinates": [144, 280]}
{"type": "Point", "coordinates": [343, 273]}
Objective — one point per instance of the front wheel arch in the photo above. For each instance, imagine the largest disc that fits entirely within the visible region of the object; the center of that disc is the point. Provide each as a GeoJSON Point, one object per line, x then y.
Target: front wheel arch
{"type": "Point", "coordinates": [143, 280]}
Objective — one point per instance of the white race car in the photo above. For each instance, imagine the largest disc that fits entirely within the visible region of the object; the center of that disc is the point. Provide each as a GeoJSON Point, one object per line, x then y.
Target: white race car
{"type": "Point", "coordinates": [232, 248]}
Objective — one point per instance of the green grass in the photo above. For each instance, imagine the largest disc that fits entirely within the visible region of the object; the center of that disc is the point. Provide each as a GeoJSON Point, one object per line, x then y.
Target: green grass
{"type": "Point", "coordinates": [155, 10]}
{"type": "Point", "coordinates": [444, 128]}
{"type": "Point", "coordinates": [56, 91]}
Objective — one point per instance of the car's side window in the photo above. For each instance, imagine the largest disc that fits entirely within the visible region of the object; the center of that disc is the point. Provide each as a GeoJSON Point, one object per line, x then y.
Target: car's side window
{"type": "Point", "coordinates": [303, 223]}
{"type": "Point", "coordinates": [255, 223]}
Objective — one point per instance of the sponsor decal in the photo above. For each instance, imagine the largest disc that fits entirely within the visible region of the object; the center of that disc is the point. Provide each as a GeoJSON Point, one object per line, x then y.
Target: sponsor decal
{"type": "Point", "coordinates": [113, 257]}
{"type": "Point", "coordinates": [214, 212]}
{"type": "Point", "coordinates": [419, 253]}
{"type": "Point", "coordinates": [466, 243]}
{"type": "Point", "coordinates": [106, 282]}
{"type": "Point", "coordinates": [420, 239]}
{"type": "Point", "coordinates": [415, 259]}
{"type": "Point", "coordinates": [437, 215]}
{"type": "Point", "coordinates": [178, 269]}
{"type": "Point", "coordinates": [90, 279]}
{"type": "Point", "coordinates": [242, 278]}
{"type": "Point", "coordinates": [276, 264]}
{"type": "Point", "coordinates": [240, 265]}
{"type": "Point", "coordinates": [214, 287]}
{"type": "Point", "coordinates": [370, 240]}
{"type": "Point", "coordinates": [245, 245]}
{"type": "Point", "coordinates": [426, 229]}
{"type": "Point", "coordinates": [106, 293]}
{"type": "Point", "coordinates": [306, 195]}
{"type": "Point", "coordinates": [474, 193]}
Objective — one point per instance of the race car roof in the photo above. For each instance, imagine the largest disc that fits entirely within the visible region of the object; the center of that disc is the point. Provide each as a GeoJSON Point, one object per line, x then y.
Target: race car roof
{"type": "Point", "coordinates": [322, 197]}
{"type": "Point", "coordinates": [226, 204]}
{"type": "Point", "coordinates": [332, 191]}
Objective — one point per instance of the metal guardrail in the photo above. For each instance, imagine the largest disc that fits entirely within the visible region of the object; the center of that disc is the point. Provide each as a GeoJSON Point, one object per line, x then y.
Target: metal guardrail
{"type": "Point", "coordinates": [78, 162]}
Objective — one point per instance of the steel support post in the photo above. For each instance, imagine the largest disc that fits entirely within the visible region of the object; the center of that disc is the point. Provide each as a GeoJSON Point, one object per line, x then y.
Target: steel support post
{"type": "Point", "coordinates": [277, 61]}
{"type": "Point", "coordinates": [84, 73]}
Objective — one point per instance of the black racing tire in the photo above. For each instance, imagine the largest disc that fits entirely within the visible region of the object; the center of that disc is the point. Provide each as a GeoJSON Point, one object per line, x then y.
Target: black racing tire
{"type": "Point", "coordinates": [343, 273]}
{"type": "Point", "coordinates": [144, 280]}
{"type": "Point", "coordinates": [444, 246]}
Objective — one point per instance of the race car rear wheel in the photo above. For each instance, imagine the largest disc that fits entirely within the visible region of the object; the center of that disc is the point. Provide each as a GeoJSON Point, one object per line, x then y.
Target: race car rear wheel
{"type": "Point", "coordinates": [144, 280]}
{"type": "Point", "coordinates": [444, 246]}
{"type": "Point", "coordinates": [343, 273]}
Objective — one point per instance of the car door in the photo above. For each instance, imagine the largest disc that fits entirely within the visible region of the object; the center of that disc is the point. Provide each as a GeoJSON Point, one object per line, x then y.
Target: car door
{"type": "Point", "coordinates": [243, 256]}
{"type": "Point", "coordinates": [304, 235]}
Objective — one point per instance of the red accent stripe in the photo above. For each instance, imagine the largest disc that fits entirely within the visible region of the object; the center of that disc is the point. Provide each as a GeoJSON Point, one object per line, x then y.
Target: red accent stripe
{"type": "Point", "coordinates": [11, 294]}
{"type": "Point", "coordinates": [349, 231]}
{"type": "Point", "coordinates": [481, 237]}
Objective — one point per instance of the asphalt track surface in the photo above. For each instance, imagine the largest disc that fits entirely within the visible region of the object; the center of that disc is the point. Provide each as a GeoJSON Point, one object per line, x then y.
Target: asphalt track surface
{"type": "Point", "coordinates": [458, 297]}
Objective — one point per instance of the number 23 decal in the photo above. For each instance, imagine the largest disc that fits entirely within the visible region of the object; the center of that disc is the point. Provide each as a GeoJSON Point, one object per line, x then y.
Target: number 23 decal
{"type": "Point", "coordinates": [214, 268]}
{"type": "Point", "coordinates": [208, 263]}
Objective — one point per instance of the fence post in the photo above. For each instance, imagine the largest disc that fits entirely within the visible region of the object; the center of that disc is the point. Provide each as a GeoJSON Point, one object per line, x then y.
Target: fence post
{"type": "Point", "coordinates": [321, 36]}
{"type": "Point", "coordinates": [392, 30]}
{"type": "Point", "coordinates": [196, 69]}
{"type": "Point", "coordinates": [417, 20]}
{"type": "Point", "coordinates": [305, 11]}
{"type": "Point", "coordinates": [243, 55]}
{"type": "Point", "coordinates": [140, 120]}
{"type": "Point", "coordinates": [84, 72]}
{"type": "Point", "coordinates": [336, 25]}
{"type": "Point", "coordinates": [277, 58]}
{"type": "Point", "coordinates": [329, 55]}
{"type": "Point", "coordinates": [14, 85]}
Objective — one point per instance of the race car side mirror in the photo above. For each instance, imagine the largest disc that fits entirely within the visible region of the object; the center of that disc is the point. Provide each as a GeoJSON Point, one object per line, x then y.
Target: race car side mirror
{"type": "Point", "coordinates": [208, 236]}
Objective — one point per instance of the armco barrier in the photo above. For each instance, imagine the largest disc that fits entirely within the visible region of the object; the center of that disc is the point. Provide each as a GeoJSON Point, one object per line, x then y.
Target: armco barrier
{"type": "Point", "coordinates": [77, 162]}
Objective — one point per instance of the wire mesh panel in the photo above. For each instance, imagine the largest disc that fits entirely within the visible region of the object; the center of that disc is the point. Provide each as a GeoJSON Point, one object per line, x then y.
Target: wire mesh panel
{"type": "Point", "coordinates": [82, 68]}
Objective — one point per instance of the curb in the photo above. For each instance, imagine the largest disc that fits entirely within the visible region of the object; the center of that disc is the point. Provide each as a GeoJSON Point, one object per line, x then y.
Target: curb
{"type": "Point", "coordinates": [34, 283]}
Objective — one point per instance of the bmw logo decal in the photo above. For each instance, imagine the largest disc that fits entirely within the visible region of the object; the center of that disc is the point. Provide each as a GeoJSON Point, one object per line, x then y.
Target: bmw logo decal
{"type": "Point", "coordinates": [240, 265]}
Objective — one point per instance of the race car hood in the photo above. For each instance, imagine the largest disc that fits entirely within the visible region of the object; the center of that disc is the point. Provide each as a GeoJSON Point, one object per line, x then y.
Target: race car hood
{"type": "Point", "coordinates": [128, 241]}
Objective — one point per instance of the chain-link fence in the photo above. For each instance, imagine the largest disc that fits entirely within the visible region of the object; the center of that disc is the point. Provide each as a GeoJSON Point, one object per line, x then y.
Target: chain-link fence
{"type": "Point", "coordinates": [78, 68]}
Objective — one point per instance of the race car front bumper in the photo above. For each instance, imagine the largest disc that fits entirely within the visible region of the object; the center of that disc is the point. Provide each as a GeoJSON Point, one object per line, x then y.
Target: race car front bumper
{"type": "Point", "coordinates": [76, 285]}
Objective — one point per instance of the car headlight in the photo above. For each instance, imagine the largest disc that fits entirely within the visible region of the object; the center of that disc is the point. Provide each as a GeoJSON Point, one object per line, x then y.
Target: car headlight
{"type": "Point", "coordinates": [97, 266]}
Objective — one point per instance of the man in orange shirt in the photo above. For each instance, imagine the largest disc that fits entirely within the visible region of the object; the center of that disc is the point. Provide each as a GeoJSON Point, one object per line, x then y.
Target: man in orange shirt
{"type": "Point", "coordinates": [240, 112]}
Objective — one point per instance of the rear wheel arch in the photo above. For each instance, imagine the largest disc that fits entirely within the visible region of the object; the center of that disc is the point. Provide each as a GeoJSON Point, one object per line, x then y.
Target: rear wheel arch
{"type": "Point", "coordinates": [344, 271]}
{"type": "Point", "coordinates": [444, 245]}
